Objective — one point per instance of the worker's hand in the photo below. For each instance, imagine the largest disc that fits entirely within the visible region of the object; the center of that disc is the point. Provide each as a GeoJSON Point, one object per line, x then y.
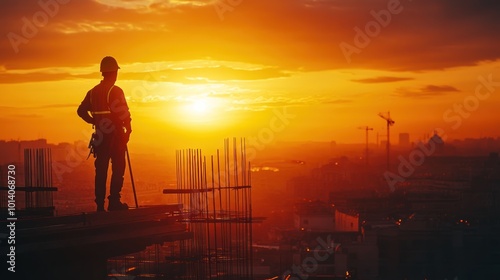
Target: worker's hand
{"type": "Point", "coordinates": [126, 136]}
{"type": "Point", "coordinates": [92, 121]}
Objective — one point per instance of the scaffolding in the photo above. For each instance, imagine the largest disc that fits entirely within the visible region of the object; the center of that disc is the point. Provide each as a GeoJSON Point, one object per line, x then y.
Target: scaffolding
{"type": "Point", "coordinates": [35, 173]}
{"type": "Point", "coordinates": [217, 208]}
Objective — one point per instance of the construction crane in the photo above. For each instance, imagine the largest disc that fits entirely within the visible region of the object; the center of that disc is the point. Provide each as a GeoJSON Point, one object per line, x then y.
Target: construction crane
{"type": "Point", "coordinates": [390, 122]}
{"type": "Point", "coordinates": [366, 128]}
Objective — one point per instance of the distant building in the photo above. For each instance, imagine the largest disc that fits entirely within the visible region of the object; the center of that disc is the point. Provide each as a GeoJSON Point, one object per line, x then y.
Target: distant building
{"type": "Point", "coordinates": [404, 139]}
{"type": "Point", "coordinates": [314, 217]}
{"type": "Point", "coordinates": [346, 222]}
{"type": "Point", "coordinates": [339, 173]}
{"type": "Point", "coordinates": [437, 142]}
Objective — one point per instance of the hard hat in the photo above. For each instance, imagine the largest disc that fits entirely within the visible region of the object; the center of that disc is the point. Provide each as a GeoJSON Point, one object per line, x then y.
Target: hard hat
{"type": "Point", "coordinates": [109, 64]}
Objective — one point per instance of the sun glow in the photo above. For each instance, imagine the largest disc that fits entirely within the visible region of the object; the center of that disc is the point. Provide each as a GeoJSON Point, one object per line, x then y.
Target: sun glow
{"type": "Point", "coordinates": [199, 106]}
{"type": "Point", "coordinates": [201, 109]}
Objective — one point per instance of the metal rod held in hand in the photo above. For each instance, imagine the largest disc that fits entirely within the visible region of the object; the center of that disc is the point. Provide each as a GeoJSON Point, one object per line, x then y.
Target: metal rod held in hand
{"type": "Point", "coordinates": [131, 176]}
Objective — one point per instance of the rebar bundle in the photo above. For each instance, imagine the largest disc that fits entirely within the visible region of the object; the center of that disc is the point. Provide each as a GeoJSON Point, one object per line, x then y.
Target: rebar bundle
{"type": "Point", "coordinates": [37, 177]}
{"type": "Point", "coordinates": [217, 208]}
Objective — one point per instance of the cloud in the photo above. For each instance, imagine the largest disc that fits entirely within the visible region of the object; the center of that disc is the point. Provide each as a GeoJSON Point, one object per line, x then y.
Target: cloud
{"type": "Point", "coordinates": [233, 98]}
{"type": "Point", "coordinates": [8, 78]}
{"type": "Point", "coordinates": [7, 108]}
{"type": "Point", "coordinates": [107, 27]}
{"type": "Point", "coordinates": [53, 106]}
{"type": "Point", "coordinates": [337, 101]}
{"type": "Point", "coordinates": [434, 89]}
{"type": "Point", "coordinates": [27, 116]}
{"type": "Point", "coordinates": [198, 71]}
{"type": "Point", "coordinates": [302, 34]}
{"type": "Point", "coordinates": [384, 79]}
{"type": "Point", "coordinates": [152, 5]}
{"type": "Point", "coordinates": [261, 103]}
{"type": "Point", "coordinates": [129, 4]}
{"type": "Point", "coordinates": [48, 106]}
{"type": "Point", "coordinates": [426, 91]}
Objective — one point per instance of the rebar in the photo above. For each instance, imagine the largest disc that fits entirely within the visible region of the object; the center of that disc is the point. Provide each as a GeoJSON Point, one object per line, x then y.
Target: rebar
{"type": "Point", "coordinates": [217, 209]}
{"type": "Point", "coordinates": [37, 176]}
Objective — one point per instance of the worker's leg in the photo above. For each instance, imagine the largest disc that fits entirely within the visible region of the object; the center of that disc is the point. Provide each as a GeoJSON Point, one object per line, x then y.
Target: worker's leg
{"type": "Point", "coordinates": [101, 164]}
{"type": "Point", "coordinates": [118, 168]}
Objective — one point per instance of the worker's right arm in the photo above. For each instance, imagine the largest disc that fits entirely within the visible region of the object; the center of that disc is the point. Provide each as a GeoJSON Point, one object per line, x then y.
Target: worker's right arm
{"type": "Point", "coordinates": [84, 109]}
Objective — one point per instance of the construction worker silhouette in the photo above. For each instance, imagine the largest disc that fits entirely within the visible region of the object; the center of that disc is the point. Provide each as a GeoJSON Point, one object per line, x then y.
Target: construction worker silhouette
{"type": "Point", "coordinates": [109, 114]}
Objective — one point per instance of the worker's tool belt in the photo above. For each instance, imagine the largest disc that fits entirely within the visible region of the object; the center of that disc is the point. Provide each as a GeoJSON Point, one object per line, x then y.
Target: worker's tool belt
{"type": "Point", "coordinates": [92, 145]}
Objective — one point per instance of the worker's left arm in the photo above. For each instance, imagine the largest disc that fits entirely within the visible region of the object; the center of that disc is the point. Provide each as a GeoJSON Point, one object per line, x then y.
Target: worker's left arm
{"type": "Point", "coordinates": [84, 109]}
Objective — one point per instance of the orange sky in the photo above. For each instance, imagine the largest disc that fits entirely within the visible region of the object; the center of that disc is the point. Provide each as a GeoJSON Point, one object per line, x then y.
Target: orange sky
{"type": "Point", "coordinates": [199, 70]}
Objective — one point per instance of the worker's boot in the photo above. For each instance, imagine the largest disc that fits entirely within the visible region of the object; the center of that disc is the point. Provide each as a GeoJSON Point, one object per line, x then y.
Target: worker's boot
{"type": "Point", "coordinates": [100, 205]}
{"type": "Point", "coordinates": [115, 204]}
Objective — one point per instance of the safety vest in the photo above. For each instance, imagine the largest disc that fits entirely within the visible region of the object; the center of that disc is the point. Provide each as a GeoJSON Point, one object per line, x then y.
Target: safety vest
{"type": "Point", "coordinates": [101, 112]}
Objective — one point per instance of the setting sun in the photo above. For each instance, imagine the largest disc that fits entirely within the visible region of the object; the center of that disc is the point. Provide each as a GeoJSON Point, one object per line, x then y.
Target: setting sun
{"type": "Point", "coordinates": [200, 107]}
